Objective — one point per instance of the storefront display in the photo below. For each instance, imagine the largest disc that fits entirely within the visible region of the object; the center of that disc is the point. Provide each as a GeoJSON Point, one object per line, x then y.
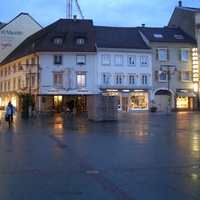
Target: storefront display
{"type": "Point", "coordinates": [139, 101]}
{"type": "Point", "coordinates": [182, 102]}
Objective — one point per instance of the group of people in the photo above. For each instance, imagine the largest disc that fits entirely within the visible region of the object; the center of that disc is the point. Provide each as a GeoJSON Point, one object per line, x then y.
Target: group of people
{"type": "Point", "coordinates": [10, 111]}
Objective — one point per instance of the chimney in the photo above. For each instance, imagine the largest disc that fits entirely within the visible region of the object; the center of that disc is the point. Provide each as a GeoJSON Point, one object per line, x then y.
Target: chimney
{"type": "Point", "coordinates": [74, 16]}
{"type": "Point", "coordinates": [180, 3]}
{"type": "Point", "coordinates": [143, 25]}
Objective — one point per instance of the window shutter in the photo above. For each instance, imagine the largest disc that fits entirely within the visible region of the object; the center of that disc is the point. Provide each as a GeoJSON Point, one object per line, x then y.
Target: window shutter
{"type": "Point", "coordinates": [169, 74]}
{"type": "Point", "coordinates": [190, 54]}
{"type": "Point", "coordinates": [168, 54]}
{"type": "Point", "coordinates": [179, 76]}
{"type": "Point", "coordinates": [156, 54]}
{"type": "Point", "coordinates": [156, 75]}
{"type": "Point", "coordinates": [179, 55]}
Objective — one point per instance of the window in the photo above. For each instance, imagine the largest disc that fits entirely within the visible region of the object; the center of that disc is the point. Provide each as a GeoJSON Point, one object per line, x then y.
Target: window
{"type": "Point", "coordinates": [14, 69]}
{"type": "Point", "coordinates": [144, 61]}
{"type": "Point", "coordinates": [158, 35]}
{"type": "Point", "coordinates": [184, 54]}
{"type": "Point", "coordinates": [8, 85]}
{"type": "Point", "coordinates": [179, 37]}
{"type": "Point", "coordinates": [5, 72]}
{"type": "Point", "coordinates": [9, 70]}
{"type": "Point", "coordinates": [19, 67]}
{"type": "Point", "coordinates": [81, 80]}
{"type": "Point", "coordinates": [131, 60]}
{"type": "Point", "coordinates": [57, 60]}
{"type": "Point", "coordinates": [163, 76]}
{"type": "Point", "coordinates": [162, 54]}
{"type": "Point", "coordinates": [80, 41]}
{"type": "Point", "coordinates": [4, 86]}
{"type": "Point", "coordinates": [80, 60]}
{"type": "Point", "coordinates": [105, 59]}
{"type": "Point", "coordinates": [33, 61]}
{"type": "Point", "coordinates": [58, 80]}
{"type": "Point", "coordinates": [19, 83]}
{"type": "Point", "coordinates": [131, 79]}
{"type": "Point", "coordinates": [105, 79]}
{"type": "Point", "coordinates": [144, 79]}
{"type": "Point", "coordinates": [139, 101]}
{"type": "Point", "coordinates": [185, 76]}
{"type": "Point", "coordinates": [119, 79]}
{"type": "Point", "coordinates": [58, 40]}
{"type": "Point", "coordinates": [14, 84]}
{"type": "Point", "coordinates": [118, 60]}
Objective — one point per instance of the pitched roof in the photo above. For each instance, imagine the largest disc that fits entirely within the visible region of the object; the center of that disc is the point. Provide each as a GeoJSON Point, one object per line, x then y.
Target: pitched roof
{"type": "Point", "coordinates": [67, 29]}
{"type": "Point", "coordinates": [119, 37]}
{"type": "Point", "coordinates": [2, 25]}
{"type": "Point", "coordinates": [166, 34]}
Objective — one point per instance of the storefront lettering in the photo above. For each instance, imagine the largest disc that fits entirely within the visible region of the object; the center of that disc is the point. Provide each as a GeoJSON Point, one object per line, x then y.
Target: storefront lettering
{"type": "Point", "coordinates": [9, 32]}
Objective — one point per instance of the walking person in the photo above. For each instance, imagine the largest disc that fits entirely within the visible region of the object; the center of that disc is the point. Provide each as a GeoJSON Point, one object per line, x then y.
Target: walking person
{"type": "Point", "coordinates": [10, 111]}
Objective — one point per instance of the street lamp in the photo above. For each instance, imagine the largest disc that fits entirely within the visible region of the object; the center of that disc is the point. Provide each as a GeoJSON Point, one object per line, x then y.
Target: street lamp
{"type": "Point", "coordinates": [30, 93]}
{"type": "Point", "coordinates": [168, 86]}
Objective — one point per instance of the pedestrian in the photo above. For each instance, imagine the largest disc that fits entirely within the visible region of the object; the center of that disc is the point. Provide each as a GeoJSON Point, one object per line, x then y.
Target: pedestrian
{"type": "Point", "coordinates": [10, 111]}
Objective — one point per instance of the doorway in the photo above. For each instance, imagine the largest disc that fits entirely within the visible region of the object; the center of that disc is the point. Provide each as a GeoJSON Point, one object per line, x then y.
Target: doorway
{"type": "Point", "coordinates": [125, 104]}
{"type": "Point", "coordinates": [57, 102]}
{"type": "Point", "coordinates": [191, 103]}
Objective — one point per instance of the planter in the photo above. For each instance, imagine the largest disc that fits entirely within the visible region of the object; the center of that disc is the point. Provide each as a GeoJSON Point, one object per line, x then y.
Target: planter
{"type": "Point", "coordinates": [153, 109]}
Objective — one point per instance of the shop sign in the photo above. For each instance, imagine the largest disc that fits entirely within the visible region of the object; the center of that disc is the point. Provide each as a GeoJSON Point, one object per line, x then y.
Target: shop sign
{"type": "Point", "coordinates": [53, 91]}
{"type": "Point", "coordinates": [9, 32]}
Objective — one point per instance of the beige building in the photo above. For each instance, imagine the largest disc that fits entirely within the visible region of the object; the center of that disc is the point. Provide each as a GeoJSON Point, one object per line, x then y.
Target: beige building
{"type": "Point", "coordinates": [172, 65]}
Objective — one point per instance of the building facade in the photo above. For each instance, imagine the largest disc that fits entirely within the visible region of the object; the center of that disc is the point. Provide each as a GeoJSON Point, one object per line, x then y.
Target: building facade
{"type": "Point", "coordinates": [14, 32]}
{"type": "Point", "coordinates": [64, 63]}
{"type": "Point", "coordinates": [124, 67]}
{"type": "Point", "coordinates": [173, 85]}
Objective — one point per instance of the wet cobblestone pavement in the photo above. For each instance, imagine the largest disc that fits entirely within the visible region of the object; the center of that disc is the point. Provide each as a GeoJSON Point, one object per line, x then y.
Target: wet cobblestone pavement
{"type": "Point", "coordinates": [142, 156]}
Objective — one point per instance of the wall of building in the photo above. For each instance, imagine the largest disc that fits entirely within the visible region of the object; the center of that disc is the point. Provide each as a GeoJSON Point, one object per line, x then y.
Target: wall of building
{"type": "Point", "coordinates": [15, 32]}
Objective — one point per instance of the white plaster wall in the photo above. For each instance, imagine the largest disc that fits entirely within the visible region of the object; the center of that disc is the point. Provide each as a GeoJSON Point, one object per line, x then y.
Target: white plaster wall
{"type": "Point", "coordinates": [125, 69]}
{"type": "Point", "coordinates": [68, 66]}
{"type": "Point", "coordinates": [15, 32]}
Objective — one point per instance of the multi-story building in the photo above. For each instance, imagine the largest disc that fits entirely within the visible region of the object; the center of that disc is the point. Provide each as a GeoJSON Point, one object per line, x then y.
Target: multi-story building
{"type": "Point", "coordinates": [188, 19]}
{"type": "Point", "coordinates": [62, 64]}
{"type": "Point", "coordinates": [58, 65]}
{"type": "Point", "coordinates": [173, 86]}
{"type": "Point", "coordinates": [124, 67]}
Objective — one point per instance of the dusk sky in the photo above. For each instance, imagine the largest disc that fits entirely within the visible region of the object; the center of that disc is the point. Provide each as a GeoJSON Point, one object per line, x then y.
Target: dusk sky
{"type": "Point", "coordinates": [120, 13]}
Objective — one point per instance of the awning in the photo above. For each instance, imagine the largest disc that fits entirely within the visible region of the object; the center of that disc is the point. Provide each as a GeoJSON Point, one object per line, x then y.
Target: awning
{"type": "Point", "coordinates": [186, 94]}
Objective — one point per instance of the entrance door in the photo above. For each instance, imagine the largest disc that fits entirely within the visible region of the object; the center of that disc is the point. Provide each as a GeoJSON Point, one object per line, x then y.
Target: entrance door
{"type": "Point", "coordinates": [191, 103]}
{"type": "Point", "coordinates": [58, 102]}
{"type": "Point", "coordinates": [125, 104]}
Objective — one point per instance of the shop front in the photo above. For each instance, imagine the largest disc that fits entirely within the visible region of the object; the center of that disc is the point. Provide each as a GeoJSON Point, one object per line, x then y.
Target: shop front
{"type": "Point", "coordinates": [58, 103]}
{"type": "Point", "coordinates": [186, 100]}
{"type": "Point", "coordinates": [130, 100]}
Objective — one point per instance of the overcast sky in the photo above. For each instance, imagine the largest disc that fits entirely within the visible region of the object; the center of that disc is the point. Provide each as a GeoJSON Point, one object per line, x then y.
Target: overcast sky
{"type": "Point", "coordinates": [120, 13]}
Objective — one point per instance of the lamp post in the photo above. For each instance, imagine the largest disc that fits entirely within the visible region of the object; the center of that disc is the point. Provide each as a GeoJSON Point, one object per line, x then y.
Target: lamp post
{"type": "Point", "coordinates": [168, 86]}
{"type": "Point", "coordinates": [30, 93]}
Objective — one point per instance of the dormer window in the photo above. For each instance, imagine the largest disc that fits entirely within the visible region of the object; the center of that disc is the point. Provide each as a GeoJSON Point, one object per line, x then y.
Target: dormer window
{"type": "Point", "coordinates": [158, 35]}
{"type": "Point", "coordinates": [58, 40]}
{"type": "Point", "coordinates": [179, 37]}
{"type": "Point", "coordinates": [80, 41]}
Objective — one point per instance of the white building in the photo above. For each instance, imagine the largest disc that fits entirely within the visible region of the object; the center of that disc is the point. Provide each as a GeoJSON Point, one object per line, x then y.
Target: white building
{"type": "Point", "coordinates": [124, 67]}
{"type": "Point", "coordinates": [14, 32]}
